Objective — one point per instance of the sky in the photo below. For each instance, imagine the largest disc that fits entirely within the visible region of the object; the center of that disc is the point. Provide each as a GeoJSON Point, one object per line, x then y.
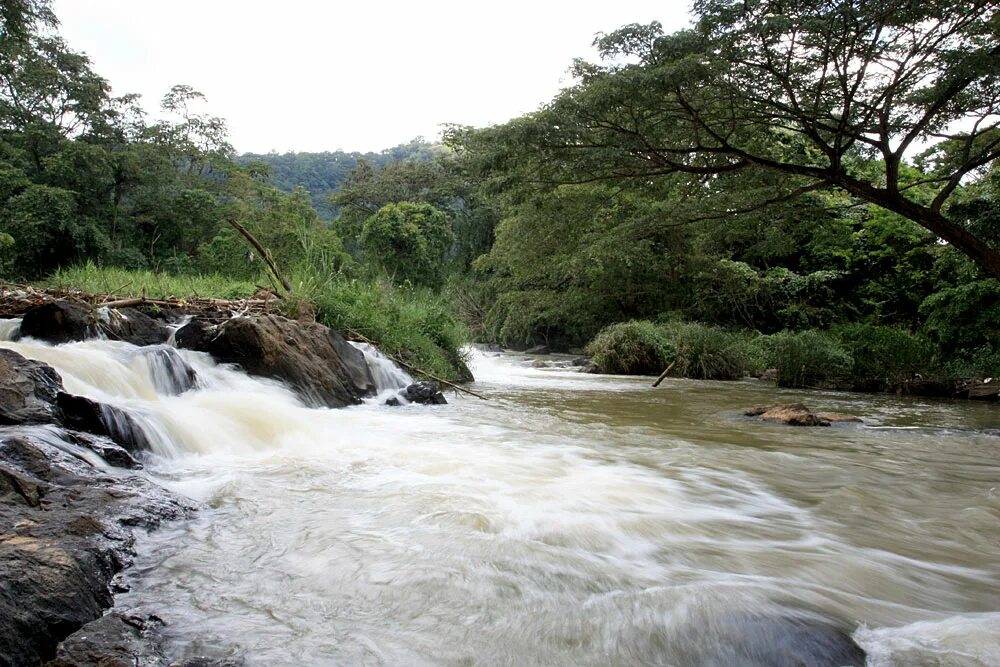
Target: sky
{"type": "Point", "coordinates": [364, 75]}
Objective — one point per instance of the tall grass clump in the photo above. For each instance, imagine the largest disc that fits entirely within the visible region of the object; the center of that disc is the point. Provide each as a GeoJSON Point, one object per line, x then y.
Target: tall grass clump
{"type": "Point", "coordinates": [885, 356]}
{"type": "Point", "coordinates": [808, 359]}
{"type": "Point", "coordinates": [638, 347]}
{"type": "Point", "coordinates": [414, 325]}
{"type": "Point", "coordinates": [133, 283]}
{"type": "Point", "coordinates": [709, 353]}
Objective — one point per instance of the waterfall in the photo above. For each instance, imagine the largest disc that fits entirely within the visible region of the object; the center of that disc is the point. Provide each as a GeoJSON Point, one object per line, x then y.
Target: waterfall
{"type": "Point", "coordinates": [389, 378]}
{"type": "Point", "coordinates": [10, 329]}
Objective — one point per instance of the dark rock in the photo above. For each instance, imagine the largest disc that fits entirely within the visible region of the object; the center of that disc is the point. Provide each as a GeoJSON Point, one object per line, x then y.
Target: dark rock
{"type": "Point", "coordinates": [538, 349]}
{"type": "Point", "coordinates": [84, 414]}
{"type": "Point", "coordinates": [424, 392]}
{"type": "Point", "coordinates": [63, 322]}
{"type": "Point", "coordinates": [539, 363]}
{"type": "Point", "coordinates": [581, 361]}
{"type": "Point", "coordinates": [66, 533]}
{"type": "Point", "coordinates": [322, 367]}
{"type": "Point", "coordinates": [60, 322]}
{"type": "Point", "coordinates": [195, 334]}
{"type": "Point", "coordinates": [28, 390]}
{"type": "Point", "coordinates": [132, 326]}
{"type": "Point", "coordinates": [591, 368]}
{"type": "Point", "coordinates": [983, 390]}
{"type": "Point", "coordinates": [170, 373]}
{"type": "Point", "coordinates": [112, 453]}
{"type": "Point", "coordinates": [781, 642]}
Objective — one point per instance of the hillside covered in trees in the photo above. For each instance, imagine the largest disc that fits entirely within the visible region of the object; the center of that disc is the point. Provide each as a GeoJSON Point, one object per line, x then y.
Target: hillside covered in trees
{"type": "Point", "coordinates": [814, 189]}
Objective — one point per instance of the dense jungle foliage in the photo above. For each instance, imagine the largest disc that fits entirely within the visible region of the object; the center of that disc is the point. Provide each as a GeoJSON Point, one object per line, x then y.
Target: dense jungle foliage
{"type": "Point", "coordinates": [811, 187]}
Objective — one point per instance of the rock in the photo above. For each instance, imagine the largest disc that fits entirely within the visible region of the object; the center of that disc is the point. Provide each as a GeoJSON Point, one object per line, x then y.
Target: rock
{"type": "Point", "coordinates": [125, 640]}
{"type": "Point", "coordinates": [195, 334]}
{"type": "Point", "coordinates": [769, 375]}
{"type": "Point", "coordinates": [67, 530]}
{"type": "Point", "coordinates": [28, 390]}
{"type": "Point", "coordinates": [984, 390]}
{"type": "Point", "coordinates": [424, 392]}
{"type": "Point", "coordinates": [793, 414]}
{"type": "Point", "coordinates": [83, 414]}
{"type": "Point", "coordinates": [781, 642]}
{"type": "Point", "coordinates": [591, 368]}
{"type": "Point", "coordinates": [63, 322]}
{"type": "Point", "coordinates": [322, 367]}
{"type": "Point", "coordinates": [60, 322]}
{"type": "Point", "coordinates": [538, 349]}
{"type": "Point", "coordinates": [539, 363]}
{"type": "Point", "coordinates": [581, 361]}
{"type": "Point", "coordinates": [132, 326]}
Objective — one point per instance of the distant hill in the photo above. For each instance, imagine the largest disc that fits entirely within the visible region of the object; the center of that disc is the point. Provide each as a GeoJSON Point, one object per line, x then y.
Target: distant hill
{"type": "Point", "coordinates": [322, 173]}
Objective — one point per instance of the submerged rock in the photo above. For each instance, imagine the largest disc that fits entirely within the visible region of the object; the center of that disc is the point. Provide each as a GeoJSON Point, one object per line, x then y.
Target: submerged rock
{"type": "Point", "coordinates": [323, 368]}
{"type": "Point", "coordinates": [66, 531]}
{"type": "Point", "coordinates": [83, 414]}
{"type": "Point", "coordinates": [28, 390]}
{"type": "Point", "coordinates": [784, 642]}
{"type": "Point", "coordinates": [170, 373]}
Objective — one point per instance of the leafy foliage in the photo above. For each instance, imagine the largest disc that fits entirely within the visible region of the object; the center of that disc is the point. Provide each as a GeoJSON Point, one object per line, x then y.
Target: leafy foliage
{"type": "Point", "coordinates": [408, 242]}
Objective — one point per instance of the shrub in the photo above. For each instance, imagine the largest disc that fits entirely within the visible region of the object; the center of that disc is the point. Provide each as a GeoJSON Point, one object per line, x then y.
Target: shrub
{"type": "Point", "coordinates": [638, 347]}
{"type": "Point", "coordinates": [709, 353]}
{"type": "Point", "coordinates": [808, 358]}
{"type": "Point", "coordinates": [884, 356]}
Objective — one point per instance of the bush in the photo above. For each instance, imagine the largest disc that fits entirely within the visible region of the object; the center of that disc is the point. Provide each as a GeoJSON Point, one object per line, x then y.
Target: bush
{"type": "Point", "coordinates": [638, 347]}
{"type": "Point", "coordinates": [709, 353]}
{"type": "Point", "coordinates": [885, 356]}
{"type": "Point", "coordinates": [808, 358]}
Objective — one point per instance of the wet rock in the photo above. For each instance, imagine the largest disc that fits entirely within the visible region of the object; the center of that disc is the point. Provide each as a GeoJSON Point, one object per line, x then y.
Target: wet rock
{"type": "Point", "coordinates": [63, 322]}
{"type": "Point", "coordinates": [581, 361]}
{"type": "Point", "coordinates": [539, 363]}
{"type": "Point", "coordinates": [60, 322]}
{"type": "Point", "coordinates": [983, 390]}
{"type": "Point", "coordinates": [590, 367]}
{"type": "Point", "coordinates": [66, 531]}
{"type": "Point", "coordinates": [83, 414]}
{"type": "Point", "coordinates": [783, 642]}
{"type": "Point", "coordinates": [195, 334]}
{"type": "Point", "coordinates": [424, 392]}
{"type": "Point", "coordinates": [793, 414]}
{"type": "Point", "coordinates": [28, 390]}
{"type": "Point", "coordinates": [124, 640]}
{"type": "Point", "coordinates": [538, 349]}
{"type": "Point", "coordinates": [132, 326]}
{"type": "Point", "coordinates": [322, 367]}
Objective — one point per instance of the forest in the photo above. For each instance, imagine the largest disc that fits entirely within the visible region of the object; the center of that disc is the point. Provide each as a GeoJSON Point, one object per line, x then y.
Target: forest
{"type": "Point", "coordinates": [806, 187]}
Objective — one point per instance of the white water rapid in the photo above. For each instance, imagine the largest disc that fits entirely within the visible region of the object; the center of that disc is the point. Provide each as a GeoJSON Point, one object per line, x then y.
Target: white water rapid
{"type": "Point", "coordinates": [569, 520]}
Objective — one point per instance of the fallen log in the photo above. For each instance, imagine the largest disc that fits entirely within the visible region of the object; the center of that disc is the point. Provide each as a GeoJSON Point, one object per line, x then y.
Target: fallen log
{"type": "Point", "coordinates": [664, 373]}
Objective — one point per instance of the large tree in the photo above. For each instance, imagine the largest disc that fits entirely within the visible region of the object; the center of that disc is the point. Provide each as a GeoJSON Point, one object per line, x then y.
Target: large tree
{"type": "Point", "coordinates": [829, 93]}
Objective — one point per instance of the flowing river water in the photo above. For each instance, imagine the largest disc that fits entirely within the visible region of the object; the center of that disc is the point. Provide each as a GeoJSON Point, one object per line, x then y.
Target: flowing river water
{"type": "Point", "coordinates": [569, 520]}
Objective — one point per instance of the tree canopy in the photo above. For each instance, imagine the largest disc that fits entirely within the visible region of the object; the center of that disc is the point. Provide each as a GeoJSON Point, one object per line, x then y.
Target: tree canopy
{"type": "Point", "coordinates": [829, 94]}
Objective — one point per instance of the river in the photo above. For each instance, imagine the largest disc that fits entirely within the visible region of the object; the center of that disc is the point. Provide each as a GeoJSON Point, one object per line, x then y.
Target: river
{"type": "Point", "coordinates": [569, 520]}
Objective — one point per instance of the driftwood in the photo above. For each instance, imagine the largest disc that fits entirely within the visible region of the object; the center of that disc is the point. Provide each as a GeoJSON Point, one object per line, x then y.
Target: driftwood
{"type": "Point", "coordinates": [264, 254]}
{"type": "Point", "coordinates": [664, 373]}
{"type": "Point", "coordinates": [364, 339]}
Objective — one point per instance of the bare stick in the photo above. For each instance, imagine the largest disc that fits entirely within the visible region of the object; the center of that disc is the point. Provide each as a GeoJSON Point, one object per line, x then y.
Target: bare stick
{"type": "Point", "coordinates": [264, 254]}
{"type": "Point", "coordinates": [664, 373]}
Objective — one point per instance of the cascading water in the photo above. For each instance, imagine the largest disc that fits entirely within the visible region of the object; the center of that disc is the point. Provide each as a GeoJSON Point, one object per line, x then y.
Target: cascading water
{"type": "Point", "coordinates": [389, 378]}
{"type": "Point", "coordinates": [569, 520]}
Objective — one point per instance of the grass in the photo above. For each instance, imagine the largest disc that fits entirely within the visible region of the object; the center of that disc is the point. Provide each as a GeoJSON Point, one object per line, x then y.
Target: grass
{"type": "Point", "coordinates": [132, 283]}
{"type": "Point", "coordinates": [638, 347]}
{"type": "Point", "coordinates": [414, 325]}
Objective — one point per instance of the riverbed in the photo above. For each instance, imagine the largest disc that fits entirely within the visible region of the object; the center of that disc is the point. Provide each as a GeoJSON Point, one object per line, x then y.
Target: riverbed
{"type": "Point", "coordinates": [570, 519]}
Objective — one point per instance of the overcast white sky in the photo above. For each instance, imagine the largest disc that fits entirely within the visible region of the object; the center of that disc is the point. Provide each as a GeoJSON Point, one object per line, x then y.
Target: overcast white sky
{"type": "Point", "coordinates": [311, 75]}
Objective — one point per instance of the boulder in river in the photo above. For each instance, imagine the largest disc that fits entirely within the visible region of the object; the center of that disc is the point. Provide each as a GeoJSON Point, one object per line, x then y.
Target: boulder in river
{"type": "Point", "coordinates": [28, 390]}
{"type": "Point", "coordinates": [784, 641]}
{"type": "Point", "coordinates": [67, 530]}
{"type": "Point", "coordinates": [424, 392]}
{"type": "Point", "coordinates": [63, 322]}
{"type": "Point", "coordinates": [323, 368]}
{"type": "Point", "coordinates": [83, 414]}
{"type": "Point", "coordinates": [797, 414]}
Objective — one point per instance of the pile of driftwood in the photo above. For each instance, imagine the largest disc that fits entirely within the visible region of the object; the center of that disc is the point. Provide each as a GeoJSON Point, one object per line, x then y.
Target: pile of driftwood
{"type": "Point", "coordinates": [15, 299]}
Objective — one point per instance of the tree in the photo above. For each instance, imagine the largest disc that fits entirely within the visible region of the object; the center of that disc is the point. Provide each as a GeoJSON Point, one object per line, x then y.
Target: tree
{"type": "Point", "coordinates": [831, 94]}
{"type": "Point", "coordinates": [408, 242]}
